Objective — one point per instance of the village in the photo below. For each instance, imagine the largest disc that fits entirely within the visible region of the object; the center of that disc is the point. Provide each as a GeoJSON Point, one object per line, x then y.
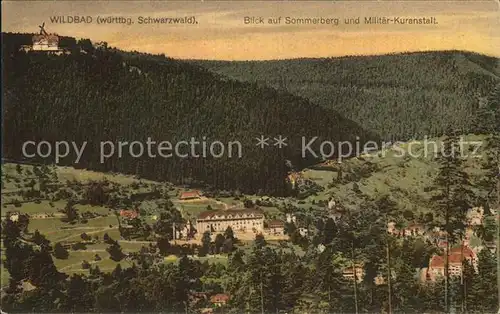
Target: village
{"type": "Point", "coordinates": [246, 220]}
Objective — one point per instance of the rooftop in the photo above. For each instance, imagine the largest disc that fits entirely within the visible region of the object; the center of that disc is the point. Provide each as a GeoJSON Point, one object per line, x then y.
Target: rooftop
{"type": "Point", "coordinates": [219, 298]}
{"type": "Point", "coordinates": [51, 38]}
{"type": "Point", "coordinates": [190, 194]}
{"type": "Point", "coordinates": [275, 224]}
{"type": "Point", "coordinates": [128, 213]}
{"type": "Point", "coordinates": [231, 213]}
{"type": "Point", "coordinates": [454, 257]}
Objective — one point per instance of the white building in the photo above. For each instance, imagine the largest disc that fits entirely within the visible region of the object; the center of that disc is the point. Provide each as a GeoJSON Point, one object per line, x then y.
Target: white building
{"type": "Point", "coordinates": [48, 42]}
{"type": "Point", "coordinates": [475, 216]}
{"type": "Point", "coordinates": [240, 220]}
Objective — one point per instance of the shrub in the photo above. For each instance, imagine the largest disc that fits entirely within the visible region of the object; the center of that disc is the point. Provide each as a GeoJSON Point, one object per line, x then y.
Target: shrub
{"type": "Point", "coordinates": [60, 252]}
{"type": "Point", "coordinates": [85, 265]}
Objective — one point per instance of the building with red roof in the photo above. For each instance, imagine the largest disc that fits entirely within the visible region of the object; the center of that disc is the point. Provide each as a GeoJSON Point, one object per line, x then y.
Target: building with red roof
{"type": "Point", "coordinates": [455, 258]}
{"type": "Point", "coordinates": [189, 195]}
{"type": "Point", "coordinates": [129, 214]}
{"type": "Point", "coordinates": [219, 299]}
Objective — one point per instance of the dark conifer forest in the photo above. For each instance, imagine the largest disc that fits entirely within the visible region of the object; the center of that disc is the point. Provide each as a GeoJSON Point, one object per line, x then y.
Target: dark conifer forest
{"type": "Point", "coordinates": [400, 96]}
{"type": "Point", "coordinates": [101, 94]}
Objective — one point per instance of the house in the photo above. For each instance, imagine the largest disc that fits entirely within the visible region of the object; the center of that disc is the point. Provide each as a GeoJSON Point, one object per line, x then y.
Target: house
{"type": "Point", "coordinates": [45, 42]}
{"type": "Point", "coordinates": [332, 204]}
{"type": "Point", "coordinates": [26, 285]}
{"type": "Point", "coordinates": [219, 299]}
{"type": "Point", "coordinates": [348, 272]}
{"type": "Point", "coordinates": [238, 219]}
{"type": "Point", "coordinates": [412, 230]}
{"type": "Point", "coordinates": [275, 227]}
{"type": "Point", "coordinates": [291, 218]}
{"type": "Point", "coordinates": [455, 258]}
{"type": "Point", "coordinates": [182, 231]}
{"type": "Point", "coordinates": [321, 248]}
{"type": "Point", "coordinates": [191, 195]}
{"type": "Point", "coordinates": [14, 216]}
{"type": "Point", "coordinates": [475, 216]}
{"type": "Point", "coordinates": [129, 214]}
{"type": "Point", "coordinates": [379, 280]}
{"type": "Point", "coordinates": [304, 232]}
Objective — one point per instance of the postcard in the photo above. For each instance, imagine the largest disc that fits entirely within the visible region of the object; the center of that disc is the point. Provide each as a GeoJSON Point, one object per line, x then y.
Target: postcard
{"type": "Point", "coordinates": [250, 156]}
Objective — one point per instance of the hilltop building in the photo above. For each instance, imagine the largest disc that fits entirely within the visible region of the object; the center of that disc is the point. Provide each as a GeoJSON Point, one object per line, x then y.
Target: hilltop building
{"type": "Point", "coordinates": [244, 220]}
{"type": "Point", "coordinates": [44, 42]}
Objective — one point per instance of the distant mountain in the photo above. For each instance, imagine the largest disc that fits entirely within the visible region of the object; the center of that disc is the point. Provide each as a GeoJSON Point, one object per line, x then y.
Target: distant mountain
{"type": "Point", "coordinates": [399, 97]}
{"type": "Point", "coordinates": [101, 94]}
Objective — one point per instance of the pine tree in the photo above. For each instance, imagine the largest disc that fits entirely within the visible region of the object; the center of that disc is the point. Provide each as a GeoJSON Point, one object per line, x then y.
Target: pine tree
{"type": "Point", "coordinates": [329, 279]}
{"type": "Point", "coordinates": [490, 182]}
{"type": "Point", "coordinates": [259, 241]}
{"type": "Point", "coordinates": [229, 234]}
{"type": "Point", "coordinates": [70, 211]}
{"type": "Point", "coordinates": [115, 252]}
{"type": "Point", "coordinates": [219, 242]}
{"type": "Point", "coordinates": [452, 198]}
{"type": "Point", "coordinates": [485, 287]}
{"type": "Point", "coordinates": [206, 240]}
{"type": "Point", "coordinates": [406, 285]}
{"type": "Point", "coordinates": [60, 252]}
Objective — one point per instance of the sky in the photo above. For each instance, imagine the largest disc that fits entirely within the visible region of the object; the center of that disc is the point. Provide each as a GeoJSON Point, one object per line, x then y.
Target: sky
{"type": "Point", "coordinates": [221, 33]}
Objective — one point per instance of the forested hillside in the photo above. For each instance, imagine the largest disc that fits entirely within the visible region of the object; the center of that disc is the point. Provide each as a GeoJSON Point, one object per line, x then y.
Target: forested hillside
{"type": "Point", "coordinates": [100, 94]}
{"type": "Point", "coordinates": [399, 97]}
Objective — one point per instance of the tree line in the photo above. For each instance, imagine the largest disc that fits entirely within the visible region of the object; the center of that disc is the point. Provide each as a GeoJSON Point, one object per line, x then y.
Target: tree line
{"type": "Point", "coordinates": [400, 96]}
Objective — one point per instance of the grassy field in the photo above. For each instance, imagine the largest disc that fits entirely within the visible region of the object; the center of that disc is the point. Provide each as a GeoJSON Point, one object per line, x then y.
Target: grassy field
{"type": "Point", "coordinates": [68, 173]}
{"type": "Point", "coordinates": [404, 178]}
{"type": "Point", "coordinates": [45, 215]}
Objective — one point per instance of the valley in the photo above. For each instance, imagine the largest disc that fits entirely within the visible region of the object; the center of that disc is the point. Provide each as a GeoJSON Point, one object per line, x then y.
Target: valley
{"type": "Point", "coordinates": [102, 228]}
